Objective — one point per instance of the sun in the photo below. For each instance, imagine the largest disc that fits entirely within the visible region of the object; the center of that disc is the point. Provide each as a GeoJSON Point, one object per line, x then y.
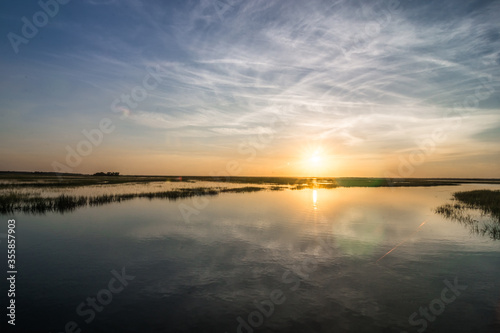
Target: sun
{"type": "Point", "coordinates": [315, 158]}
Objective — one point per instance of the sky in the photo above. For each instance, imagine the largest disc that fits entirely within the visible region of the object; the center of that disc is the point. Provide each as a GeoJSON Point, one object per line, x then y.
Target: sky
{"type": "Point", "coordinates": [385, 88]}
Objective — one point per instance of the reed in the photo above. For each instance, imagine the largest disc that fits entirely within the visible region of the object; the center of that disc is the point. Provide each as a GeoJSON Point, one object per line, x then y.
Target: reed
{"type": "Point", "coordinates": [12, 180]}
{"type": "Point", "coordinates": [36, 204]}
{"type": "Point", "coordinates": [485, 201]}
{"type": "Point", "coordinates": [40, 181]}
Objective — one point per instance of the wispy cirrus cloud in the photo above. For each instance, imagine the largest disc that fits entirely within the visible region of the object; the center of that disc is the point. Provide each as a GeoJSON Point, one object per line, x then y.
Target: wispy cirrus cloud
{"type": "Point", "coordinates": [359, 76]}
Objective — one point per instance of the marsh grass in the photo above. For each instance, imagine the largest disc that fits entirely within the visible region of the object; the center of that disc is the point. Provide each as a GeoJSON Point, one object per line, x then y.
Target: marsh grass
{"type": "Point", "coordinates": [36, 204]}
{"type": "Point", "coordinates": [13, 180]}
{"type": "Point", "coordinates": [487, 202]}
{"type": "Point", "coordinates": [299, 183]}
{"type": "Point", "coordinates": [278, 188]}
{"type": "Point", "coordinates": [243, 189]}
{"type": "Point", "coordinates": [315, 186]}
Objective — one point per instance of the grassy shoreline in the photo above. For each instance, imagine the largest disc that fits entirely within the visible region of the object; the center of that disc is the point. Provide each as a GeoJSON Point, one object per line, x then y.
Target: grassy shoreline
{"type": "Point", "coordinates": [14, 196]}
{"type": "Point", "coordinates": [22, 202]}
{"type": "Point", "coordinates": [12, 180]}
{"type": "Point", "coordinates": [485, 201]}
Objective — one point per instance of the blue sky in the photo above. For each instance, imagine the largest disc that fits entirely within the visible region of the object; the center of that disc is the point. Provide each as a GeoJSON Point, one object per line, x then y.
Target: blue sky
{"type": "Point", "coordinates": [361, 85]}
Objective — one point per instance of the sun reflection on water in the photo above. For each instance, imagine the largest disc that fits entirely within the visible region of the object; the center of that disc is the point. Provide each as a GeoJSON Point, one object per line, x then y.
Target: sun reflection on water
{"type": "Point", "coordinates": [315, 199]}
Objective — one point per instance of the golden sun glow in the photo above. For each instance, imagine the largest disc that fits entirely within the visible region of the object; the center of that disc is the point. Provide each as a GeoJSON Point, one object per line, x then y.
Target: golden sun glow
{"type": "Point", "coordinates": [315, 159]}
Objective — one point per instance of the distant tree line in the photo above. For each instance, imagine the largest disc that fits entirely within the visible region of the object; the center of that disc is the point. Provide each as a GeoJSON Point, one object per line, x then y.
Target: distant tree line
{"type": "Point", "coordinates": [106, 174]}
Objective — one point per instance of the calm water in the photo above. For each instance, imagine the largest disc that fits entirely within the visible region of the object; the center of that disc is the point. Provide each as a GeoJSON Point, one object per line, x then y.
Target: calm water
{"type": "Point", "coordinates": [285, 261]}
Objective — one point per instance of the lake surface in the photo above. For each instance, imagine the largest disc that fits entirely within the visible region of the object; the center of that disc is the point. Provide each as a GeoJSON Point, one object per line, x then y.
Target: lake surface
{"type": "Point", "coordinates": [270, 261]}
